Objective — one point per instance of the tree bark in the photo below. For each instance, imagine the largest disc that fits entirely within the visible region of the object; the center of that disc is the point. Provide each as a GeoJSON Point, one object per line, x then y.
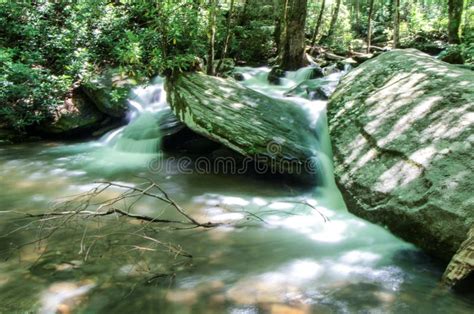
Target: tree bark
{"type": "Point", "coordinates": [455, 8]}
{"type": "Point", "coordinates": [243, 16]}
{"type": "Point", "coordinates": [211, 36]}
{"type": "Point", "coordinates": [292, 45]}
{"type": "Point", "coordinates": [227, 36]}
{"type": "Point", "coordinates": [280, 23]}
{"type": "Point", "coordinates": [333, 20]}
{"type": "Point", "coordinates": [369, 24]}
{"type": "Point", "coordinates": [318, 24]}
{"type": "Point", "coordinates": [357, 11]}
{"type": "Point", "coordinates": [396, 23]}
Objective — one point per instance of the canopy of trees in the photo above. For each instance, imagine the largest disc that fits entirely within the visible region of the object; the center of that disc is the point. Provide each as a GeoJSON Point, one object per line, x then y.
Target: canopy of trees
{"type": "Point", "coordinates": [48, 47]}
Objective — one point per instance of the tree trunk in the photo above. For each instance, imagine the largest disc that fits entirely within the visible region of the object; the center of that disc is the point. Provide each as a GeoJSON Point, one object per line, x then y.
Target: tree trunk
{"type": "Point", "coordinates": [211, 36]}
{"type": "Point", "coordinates": [390, 6]}
{"type": "Point", "coordinates": [318, 24]}
{"type": "Point", "coordinates": [243, 16]}
{"type": "Point", "coordinates": [292, 45]}
{"type": "Point", "coordinates": [396, 23]}
{"type": "Point", "coordinates": [369, 24]}
{"type": "Point", "coordinates": [333, 20]}
{"type": "Point", "coordinates": [455, 8]}
{"type": "Point", "coordinates": [281, 8]}
{"type": "Point", "coordinates": [357, 11]}
{"type": "Point", "coordinates": [227, 36]}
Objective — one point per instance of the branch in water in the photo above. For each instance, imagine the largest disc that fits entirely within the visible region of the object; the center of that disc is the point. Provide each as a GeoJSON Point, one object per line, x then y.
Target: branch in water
{"type": "Point", "coordinates": [164, 197]}
{"type": "Point", "coordinates": [120, 212]}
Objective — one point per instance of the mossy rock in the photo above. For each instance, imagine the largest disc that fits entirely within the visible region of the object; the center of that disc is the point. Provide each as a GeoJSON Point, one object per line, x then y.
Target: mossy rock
{"type": "Point", "coordinates": [275, 74]}
{"type": "Point", "coordinates": [402, 133]}
{"type": "Point", "coordinates": [76, 116]}
{"type": "Point", "coordinates": [312, 89]}
{"type": "Point", "coordinates": [109, 92]}
{"type": "Point", "coordinates": [271, 131]}
{"type": "Point", "coordinates": [452, 55]}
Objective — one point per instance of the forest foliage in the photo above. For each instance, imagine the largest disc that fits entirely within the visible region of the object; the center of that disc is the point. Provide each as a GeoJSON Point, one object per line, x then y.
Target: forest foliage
{"type": "Point", "coordinates": [48, 47]}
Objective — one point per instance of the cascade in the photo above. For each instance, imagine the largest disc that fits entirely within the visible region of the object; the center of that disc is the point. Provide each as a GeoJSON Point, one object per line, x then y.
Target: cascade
{"type": "Point", "coordinates": [149, 119]}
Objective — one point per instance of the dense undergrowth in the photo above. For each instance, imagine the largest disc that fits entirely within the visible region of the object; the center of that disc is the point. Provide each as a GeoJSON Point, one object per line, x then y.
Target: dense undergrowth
{"type": "Point", "coordinates": [49, 47]}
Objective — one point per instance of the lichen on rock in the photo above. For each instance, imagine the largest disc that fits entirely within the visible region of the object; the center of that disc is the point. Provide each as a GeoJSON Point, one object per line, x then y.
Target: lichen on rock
{"type": "Point", "coordinates": [402, 132]}
{"type": "Point", "coordinates": [250, 123]}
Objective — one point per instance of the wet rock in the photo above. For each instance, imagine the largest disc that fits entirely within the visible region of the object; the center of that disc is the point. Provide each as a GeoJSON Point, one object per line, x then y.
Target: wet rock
{"type": "Point", "coordinates": [312, 90]}
{"type": "Point", "coordinates": [452, 55]}
{"type": "Point", "coordinates": [77, 115]}
{"type": "Point", "coordinates": [330, 70]}
{"type": "Point", "coordinates": [239, 76]}
{"type": "Point", "coordinates": [275, 74]}
{"type": "Point", "coordinates": [272, 132]}
{"type": "Point", "coordinates": [316, 72]}
{"type": "Point", "coordinates": [402, 133]}
{"type": "Point", "coordinates": [460, 270]}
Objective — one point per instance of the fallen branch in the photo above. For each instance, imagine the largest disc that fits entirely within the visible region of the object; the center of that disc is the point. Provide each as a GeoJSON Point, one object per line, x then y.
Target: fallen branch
{"type": "Point", "coordinates": [332, 56]}
{"type": "Point", "coordinates": [378, 48]}
{"type": "Point", "coordinates": [89, 213]}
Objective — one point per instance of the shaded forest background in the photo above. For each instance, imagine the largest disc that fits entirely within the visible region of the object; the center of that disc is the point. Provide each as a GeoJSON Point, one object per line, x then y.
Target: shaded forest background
{"type": "Point", "coordinates": [48, 48]}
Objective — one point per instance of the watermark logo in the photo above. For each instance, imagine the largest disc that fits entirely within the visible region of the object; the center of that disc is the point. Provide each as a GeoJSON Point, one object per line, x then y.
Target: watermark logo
{"type": "Point", "coordinates": [273, 148]}
{"type": "Point", "coordinates": [271, 161]}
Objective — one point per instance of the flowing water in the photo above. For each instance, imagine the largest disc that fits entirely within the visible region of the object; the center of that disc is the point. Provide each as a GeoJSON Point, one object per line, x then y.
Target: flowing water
{"type": "Point", "coordinates": [290, 249]}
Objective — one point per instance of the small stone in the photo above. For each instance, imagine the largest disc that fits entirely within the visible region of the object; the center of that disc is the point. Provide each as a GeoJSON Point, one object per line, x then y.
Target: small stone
{"type": "Point", "coordinates": [239, 76]}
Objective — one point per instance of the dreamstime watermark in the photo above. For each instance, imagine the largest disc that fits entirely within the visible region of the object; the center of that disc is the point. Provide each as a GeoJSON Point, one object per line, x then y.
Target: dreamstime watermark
{"type": "Point", "coordinates": [271, 161]}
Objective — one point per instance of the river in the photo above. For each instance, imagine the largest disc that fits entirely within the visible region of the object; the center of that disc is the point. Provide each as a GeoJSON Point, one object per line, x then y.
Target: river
{"type": "Point", "coordinates": [284, 248]}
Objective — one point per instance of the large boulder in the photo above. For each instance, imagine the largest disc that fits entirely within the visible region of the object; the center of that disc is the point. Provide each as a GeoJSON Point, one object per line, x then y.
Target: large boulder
{"type": "Point", "coordinates": [274, 132]}
{"type": "Point", "coordinates": [401, 128]}
{"type": "Point", "coordinates": [77, 115]}
{"type": "Point", "coordinates": [109, 92]}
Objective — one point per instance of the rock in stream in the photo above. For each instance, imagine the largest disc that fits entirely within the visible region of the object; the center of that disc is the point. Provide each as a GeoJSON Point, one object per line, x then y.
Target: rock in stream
{"type": "Point", "coordinates": [402, 133]}
{"type": "Point", "coordinates": [272, 131]}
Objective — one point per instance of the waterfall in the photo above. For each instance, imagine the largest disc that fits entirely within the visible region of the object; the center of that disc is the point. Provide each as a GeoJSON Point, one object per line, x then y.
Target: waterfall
{"type": "Point", "coordinates": [316, 111]}
{"type": "Point", "coordinates": [149, 118]}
